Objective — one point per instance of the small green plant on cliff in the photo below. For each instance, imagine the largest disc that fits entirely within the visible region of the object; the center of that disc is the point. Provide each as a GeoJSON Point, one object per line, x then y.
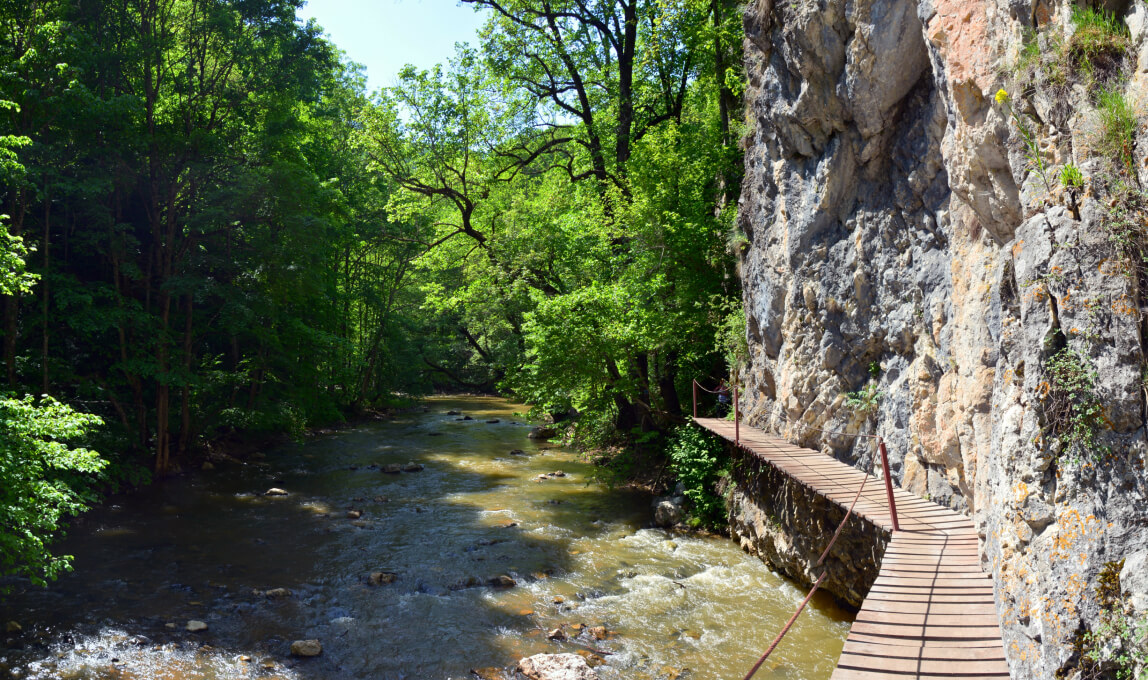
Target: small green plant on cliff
{"type": "Point", "coordinates": [1071, 177]}
{"type": "Point", "coordinates": [1127, 222]}
{"type": "Point", "coordinates": [1032, 148]}
{"type": "Point", "coordinates": [1118, 124]}
{"type": "Point", "coordinates": [1097, 34]}
{"type": "Point", "coordinates": [698, 461]}
{"type": "Point", "coordinates": [1073, 413]}
{"type": "Point", "coordinates": [864, 401]}
{"type": "Point", "coordinates": [1117, 646]}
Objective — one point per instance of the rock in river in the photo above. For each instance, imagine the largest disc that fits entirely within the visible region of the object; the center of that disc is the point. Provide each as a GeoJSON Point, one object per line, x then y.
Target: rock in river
{"type": "Point", "coordinates": [276, 593]}
{"type": "Point", "coordinates": [556, 667]}
{"type": "Point", "coordinates": [542, 433]}
{"type": "Point", "coordinates": [413, 467]}
{"type": "Point", "coordinates": [392, 468]}
{"type": "Point", "coordinates": [306, 648]}
{"type": "Point", "coordinates": [668, 510]}
{"type": "Point", "coordinates": [502, 581]}
{"type": "Point", "coordinates": [275, 491]}
{"type": "Point", "coordinates": [381, 578]}
{"type": "Point", "coordinates": [196, 626]}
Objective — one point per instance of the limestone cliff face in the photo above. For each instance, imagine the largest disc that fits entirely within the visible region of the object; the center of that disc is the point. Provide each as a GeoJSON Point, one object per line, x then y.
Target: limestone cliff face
{"type": "Point", "coordinates": [904, 242]}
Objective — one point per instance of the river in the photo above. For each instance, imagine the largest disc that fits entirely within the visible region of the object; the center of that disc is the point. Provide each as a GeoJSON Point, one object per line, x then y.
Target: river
{"type": "Point", "coordinates": [208, 547]}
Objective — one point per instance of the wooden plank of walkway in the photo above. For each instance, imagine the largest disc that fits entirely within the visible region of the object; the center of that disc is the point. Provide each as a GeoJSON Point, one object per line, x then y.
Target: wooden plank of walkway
{"type": "Point", "coordinates": [930, 614]}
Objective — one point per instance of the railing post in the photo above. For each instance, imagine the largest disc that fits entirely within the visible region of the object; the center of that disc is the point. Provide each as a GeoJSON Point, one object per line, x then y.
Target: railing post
{"type": "Point", "coordinates": [695, 385]}
{"type": "Point", "coordinates": [888, 482]}
{"type": "Point", "coordinates": [736, 418]}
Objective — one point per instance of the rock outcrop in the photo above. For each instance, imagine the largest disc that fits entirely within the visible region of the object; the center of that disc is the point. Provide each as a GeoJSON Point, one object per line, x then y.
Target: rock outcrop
{"type": "Point", "coordinates": [918, 270]}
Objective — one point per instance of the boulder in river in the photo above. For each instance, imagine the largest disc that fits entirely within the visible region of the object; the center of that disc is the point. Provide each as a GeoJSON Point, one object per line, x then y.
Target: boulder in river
{"type": "Point", "coordinates": [454, 413]}
{"type": "Point", "coordinates": [354, 514]}
{"type": "Point", "coordinates": [277, 593]}
{"type": "Point", "coordinates": [275, 491]}
{"type": "Point", "coordinates": [196, 626]}
{"type": "Point", "coordinates": [517, 452]}
{"type": "Point", "coordinates": [502, 581]}
{"type": "Point", "coordinates": [306, 648]}
{"type": "Point", "coordinates": [556, 667]}
{"type": "Point", "coordinates": [556, 634]}
{"type": "Point", "coordinates": [597, 632]}
{"type": "Point", "coordinates": [413, 467]}
{"type": "Point", "coordinates": [381, 578]}
{"type": "Point", "coordinates": [669, 510]}
{"type": "Point", "coordinates": [542, 433]}
{"type": "Point", "coordinates": [466, 418]}
{"type": "Point", "coordinates": [493, 421]}
{"type": "Point", "coordinates": [392, 468]}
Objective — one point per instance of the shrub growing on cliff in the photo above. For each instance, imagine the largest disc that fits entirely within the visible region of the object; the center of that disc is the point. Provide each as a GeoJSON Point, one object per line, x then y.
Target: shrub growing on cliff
{"type": "Point", "coordinates": [1072, 409]}
{"type": "Point", "coordinates": [698, 460]}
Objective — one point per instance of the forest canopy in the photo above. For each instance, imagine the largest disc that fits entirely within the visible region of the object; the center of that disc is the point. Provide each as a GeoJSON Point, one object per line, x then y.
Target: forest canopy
{"type": "Point", "coordinates": [225, 234]}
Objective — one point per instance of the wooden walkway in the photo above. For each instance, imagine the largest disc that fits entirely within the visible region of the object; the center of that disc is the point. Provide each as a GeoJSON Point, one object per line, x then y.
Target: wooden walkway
{"type": "Point", "coordinates": [930, 613]}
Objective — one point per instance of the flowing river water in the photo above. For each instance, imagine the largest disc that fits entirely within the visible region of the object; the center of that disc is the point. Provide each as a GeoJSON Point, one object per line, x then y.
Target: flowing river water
{"type": "Point", "coordinates": [208, 547]}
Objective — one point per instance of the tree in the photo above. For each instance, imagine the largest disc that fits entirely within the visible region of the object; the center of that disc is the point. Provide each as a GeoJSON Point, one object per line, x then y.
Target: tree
{"type": "Point", "coordinates": [42, 479]}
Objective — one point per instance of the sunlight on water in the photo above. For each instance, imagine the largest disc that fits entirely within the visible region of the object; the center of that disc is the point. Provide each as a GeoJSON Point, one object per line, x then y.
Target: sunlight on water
{"type": "Point", "coordinates": [498, 544]}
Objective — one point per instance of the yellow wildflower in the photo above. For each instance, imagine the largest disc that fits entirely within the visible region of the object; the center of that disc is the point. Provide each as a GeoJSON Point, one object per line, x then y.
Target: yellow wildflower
{"type": "Point", "coordinates": [1002, 96]}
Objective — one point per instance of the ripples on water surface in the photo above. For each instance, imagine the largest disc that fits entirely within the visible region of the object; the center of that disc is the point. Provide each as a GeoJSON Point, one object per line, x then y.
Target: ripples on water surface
{"type": "Point", "coordinates": [201, 547]}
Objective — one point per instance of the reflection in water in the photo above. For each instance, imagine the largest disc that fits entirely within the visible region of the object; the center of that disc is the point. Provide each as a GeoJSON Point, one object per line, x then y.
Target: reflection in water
{"type": "Point", "coordinates": [213, 548]}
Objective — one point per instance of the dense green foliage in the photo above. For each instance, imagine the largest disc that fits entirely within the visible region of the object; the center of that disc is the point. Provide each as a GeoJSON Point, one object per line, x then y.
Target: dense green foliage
{"type": "Point", "coordinates": [229, 236]}
{"type": "Point", "coordinates": [42, 479]}
{"type": "Point", "coordinates": [699, 461]}
{"type": "Point", "coordinates": [44, 482]}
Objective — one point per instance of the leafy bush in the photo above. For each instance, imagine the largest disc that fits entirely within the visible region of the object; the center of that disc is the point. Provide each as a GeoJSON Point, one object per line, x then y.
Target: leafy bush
{"type": "Point", "coordinates": [42, 481]}
{"type": "Point", "coordinates": [1073, 412]}
{"type": "Point", "coordinates": [698, 460]}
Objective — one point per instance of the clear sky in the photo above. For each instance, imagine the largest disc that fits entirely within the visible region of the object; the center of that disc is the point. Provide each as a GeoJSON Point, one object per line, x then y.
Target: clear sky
{"type": "Point", "coordinates": [385, 35]}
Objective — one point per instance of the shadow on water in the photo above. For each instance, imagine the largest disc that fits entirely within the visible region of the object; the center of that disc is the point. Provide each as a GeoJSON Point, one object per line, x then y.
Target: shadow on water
{"type": "Point", "coordinates": [210, 547]}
